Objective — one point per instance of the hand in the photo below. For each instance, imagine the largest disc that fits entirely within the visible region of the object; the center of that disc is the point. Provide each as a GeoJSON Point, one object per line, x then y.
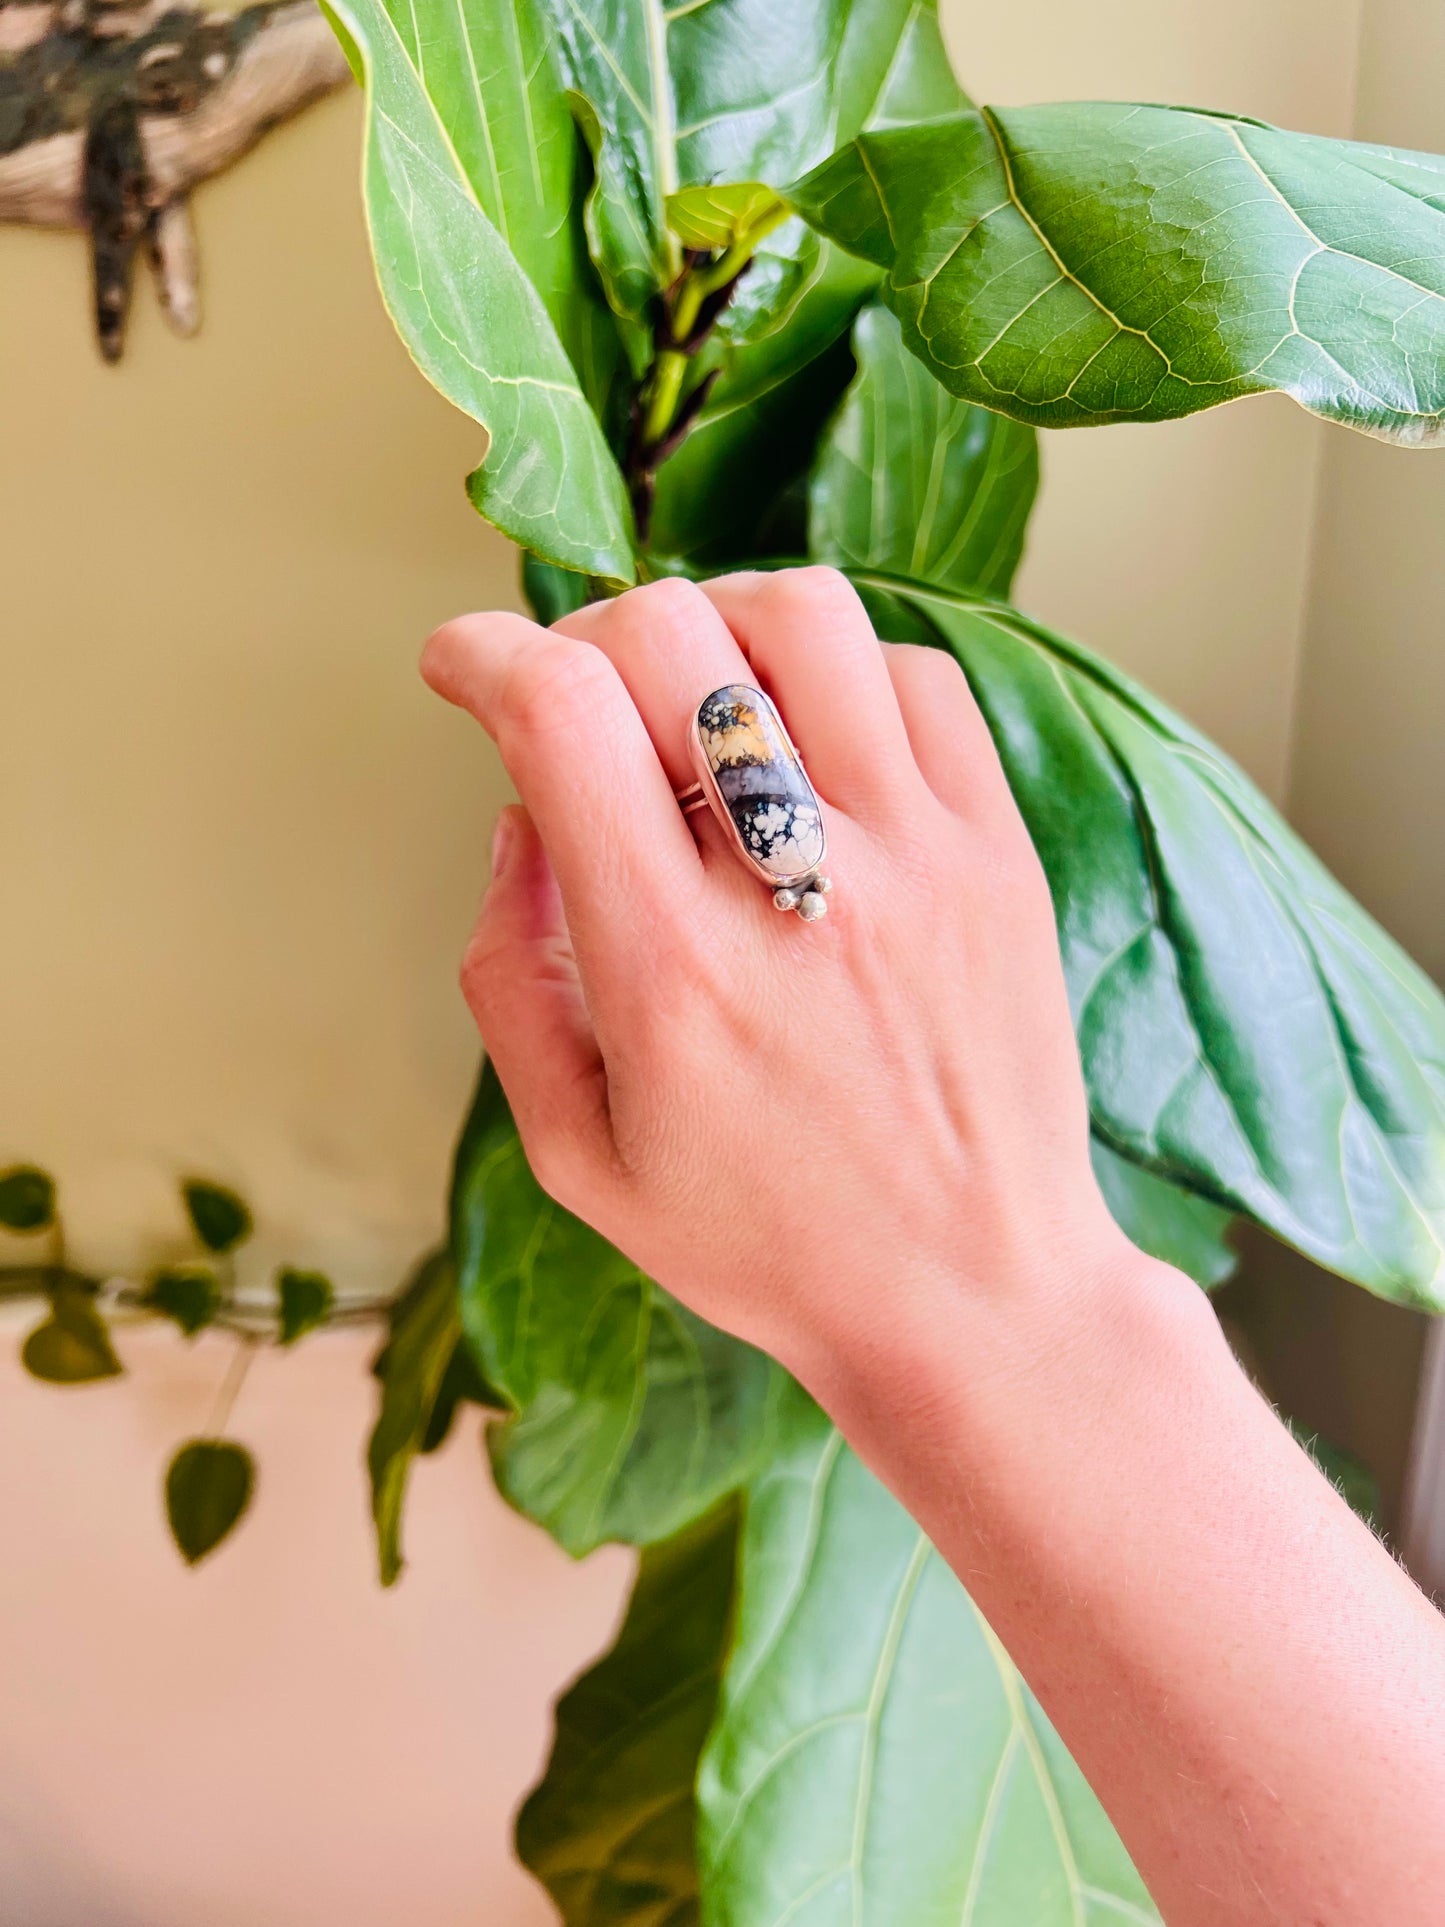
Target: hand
{"type": "Point", "coordinates": [862, 1143]}
{"type": "Point", "coordinates": [800, 1130]}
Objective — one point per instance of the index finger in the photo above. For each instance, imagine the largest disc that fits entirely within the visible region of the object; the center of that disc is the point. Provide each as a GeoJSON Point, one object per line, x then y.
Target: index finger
{"type": "Point", "coordinates": [584, 765]}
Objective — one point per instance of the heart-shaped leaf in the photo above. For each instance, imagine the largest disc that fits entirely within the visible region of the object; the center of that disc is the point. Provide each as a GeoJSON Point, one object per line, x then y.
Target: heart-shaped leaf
{"type": "Point", "coordinates": [72, 1346]}
{"type": "Point", "coordinates": [1246, 1029]}
{"type": "Point", "coordinates": [910, 480]}
{"type": "Point", "coordinates": [610, 1831]}
{"type": "Point", "coordinates": [219, 1218]}
{"type": "Point", "coordinates": [1092, 262]}
{"type": "Point", "coordinates": [304, 1299]}
{"type": "Point", "coordinates": [467, 189]}
{"type": "Point", "coordinates": [632, 1416]}
{"type": "Point", "coordinates": [208, 1487]}
{"type": "Point", "coordinates": [875, 1755]}
{"type": "Point", "coordinates": [189, 1296]}
{"type": "Point", "coordinates": [27, 1198]}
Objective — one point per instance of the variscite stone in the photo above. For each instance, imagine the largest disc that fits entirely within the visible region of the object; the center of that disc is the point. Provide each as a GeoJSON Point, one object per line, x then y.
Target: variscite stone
{"type": "Point", "coordinates": [761, 781]}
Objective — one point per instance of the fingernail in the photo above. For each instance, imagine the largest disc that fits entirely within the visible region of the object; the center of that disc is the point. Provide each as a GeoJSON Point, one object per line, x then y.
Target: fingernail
{"type": "Point", "coordinates": [504, 842]}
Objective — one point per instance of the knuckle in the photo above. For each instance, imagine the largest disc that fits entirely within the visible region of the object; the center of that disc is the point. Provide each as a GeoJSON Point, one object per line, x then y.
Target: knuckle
{"type": "Point", "coordinates": [554, 1162]}
{"type": "Point", "coordinates": [555, 683]}
{"type": "Point", "coordinates": [813, 590]}
{"type": "Point", "coordinates": [672, 604]}
{"type": "Point", "coordinates": [921, 663]}
{"type": "Point", "coordinates": [445, 656]}
{"type": "Point", "coordinates": [476, 975]}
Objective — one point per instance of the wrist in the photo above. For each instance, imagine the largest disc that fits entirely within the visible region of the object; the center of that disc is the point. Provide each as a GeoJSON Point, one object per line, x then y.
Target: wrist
{"type": "Point", "coordinates": [1008, 1387]}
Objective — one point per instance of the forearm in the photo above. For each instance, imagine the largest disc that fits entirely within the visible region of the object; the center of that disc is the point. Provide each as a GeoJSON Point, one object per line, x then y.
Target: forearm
{"type": "Point", "coordinates": [1253, 1687]}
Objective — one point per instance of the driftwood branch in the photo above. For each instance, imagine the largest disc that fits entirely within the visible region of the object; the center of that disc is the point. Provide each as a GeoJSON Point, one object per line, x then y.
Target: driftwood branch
{"type": "Point", "coordinates": [111, 113]}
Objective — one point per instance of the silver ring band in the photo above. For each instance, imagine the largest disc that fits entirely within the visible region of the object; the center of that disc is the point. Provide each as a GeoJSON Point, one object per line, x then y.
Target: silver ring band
{"type": "Point", "coordinates": [752, 779]}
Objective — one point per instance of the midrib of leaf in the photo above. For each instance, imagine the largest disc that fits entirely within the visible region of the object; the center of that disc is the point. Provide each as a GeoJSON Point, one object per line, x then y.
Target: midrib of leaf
{"type": "Point", "coordinates": [463, 180]}
{"type": "Point", "coordinates": [983, 490]}
{"type": "Point", "coordinates": [1161, 921]}
{"type": "Point", "coordinates": [1024, 1726]}
{"type": "Point", "coordinates": [526, 1269]}
{"type": "Point", "coordinates": [1258, 854]}
{"type": "Point", "coordinates": [992, 1807]}
{"type": "Point", "coordinates": [817, 1501]}
{"type": "Point", "coordinates": [909, 23]}
{"type": "Point", "coordinates": [1068, 274]}
{"type": "Point", "coordinates": [702, 1430]}
{"type": "Point", "coordinates": [1340, 1030]}
{"type": "Point", "coordinates": [873, 1714]}
{"type": "Point", "coordinates": [1065, 272]}
{"type": "Point", "coordinates": [636, 1404]}
{"type": "Point", "coordinates": [941, 442]}
{"type": "Point", "coordinates": [525, 79]}
{"type": "Point", "coordinates": [459, 184]}
{"type": "Point", "coordinates": [483, 117]}
{"type": "Point", "coordinates": [1126, 1909]}
{"type": "Point", "coordinates": [664, 132]}
{"type": "Point", "coordinates": [1322, 246]}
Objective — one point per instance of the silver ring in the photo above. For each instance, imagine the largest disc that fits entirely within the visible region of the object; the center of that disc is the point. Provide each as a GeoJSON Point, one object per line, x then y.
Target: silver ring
{"type": "Point", "coordinates": [752, 779]}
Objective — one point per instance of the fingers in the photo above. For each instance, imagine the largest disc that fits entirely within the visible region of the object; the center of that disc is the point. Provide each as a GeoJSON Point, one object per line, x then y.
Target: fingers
{"type": "Point", "coordinates": [671, 648]}
{"type": "Point", "coordinates": [520, 979]}
{"type": "Point", "coordinates": [584, 765]}
{"type": "Point", "coordinates": [812, 646]}
{"type": "Point", "coordinates": [947, 733]}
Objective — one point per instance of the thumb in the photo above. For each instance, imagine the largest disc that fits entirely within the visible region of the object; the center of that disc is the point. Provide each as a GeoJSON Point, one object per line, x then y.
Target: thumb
{"type": "Point", "coordinates": [519, 977]}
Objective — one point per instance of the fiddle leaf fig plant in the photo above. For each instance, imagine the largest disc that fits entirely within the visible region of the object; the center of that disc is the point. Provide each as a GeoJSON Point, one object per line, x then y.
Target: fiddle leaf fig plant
{"type": "Point", "coordinates": [726, 282]}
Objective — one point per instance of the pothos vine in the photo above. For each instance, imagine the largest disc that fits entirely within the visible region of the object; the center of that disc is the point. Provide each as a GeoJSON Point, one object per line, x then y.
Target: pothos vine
{"type": "Point", "coordinates": [210, 1479]}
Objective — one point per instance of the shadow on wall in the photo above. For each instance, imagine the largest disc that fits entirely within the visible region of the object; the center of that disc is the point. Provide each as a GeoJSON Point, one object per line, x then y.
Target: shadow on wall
{"type": "Point", "coordinates": [44, 1880]}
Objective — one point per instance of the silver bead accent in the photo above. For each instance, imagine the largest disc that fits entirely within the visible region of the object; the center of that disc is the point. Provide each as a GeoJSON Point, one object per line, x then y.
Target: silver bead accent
{"type": "Point", "coordinates": [822, 885]}
{"type": "Point", "coordinates": [786, 899]}
{"type": "Point", "coordinates": [813, 906]}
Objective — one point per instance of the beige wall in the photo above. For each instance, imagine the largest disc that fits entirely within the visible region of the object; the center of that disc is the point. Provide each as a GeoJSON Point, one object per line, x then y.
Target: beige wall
{"type": "Point", "coordinates": [240, 851]}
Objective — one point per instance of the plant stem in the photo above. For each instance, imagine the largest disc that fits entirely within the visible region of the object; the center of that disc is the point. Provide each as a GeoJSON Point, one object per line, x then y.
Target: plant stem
{"type": "Point", "coordinates": [664, 387]}
{"type": "Point", "coordinates": [662, 405]}
{"type": "Point", "coordinates": [231, 1385]}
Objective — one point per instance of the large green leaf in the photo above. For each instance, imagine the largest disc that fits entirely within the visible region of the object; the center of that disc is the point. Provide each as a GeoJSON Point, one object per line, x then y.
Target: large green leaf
{"type": "Point", "coordinates": [671, 95]}
{"type": "Point", "coordinates": [910, 480]}
{"type": "Point", "coordinates": [1164, 1219]}
{"type": "Point", "coordinates": [1095, 262]}
{"type": "Point", "coordinates": [463, 150]}
{"type": "Point", "coordinates": [1245, 1028]}
{"type": "Point", "coordinates": [632, 1416]}
{"type": "Point", "coordinates": [611, 1830]}
{"type": "Point", "coordinates": [876, 1757]}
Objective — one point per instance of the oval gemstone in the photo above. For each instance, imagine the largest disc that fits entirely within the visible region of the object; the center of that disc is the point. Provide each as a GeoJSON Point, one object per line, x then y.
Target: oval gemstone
{"type": "Point", "coordinates": [768, 795]}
